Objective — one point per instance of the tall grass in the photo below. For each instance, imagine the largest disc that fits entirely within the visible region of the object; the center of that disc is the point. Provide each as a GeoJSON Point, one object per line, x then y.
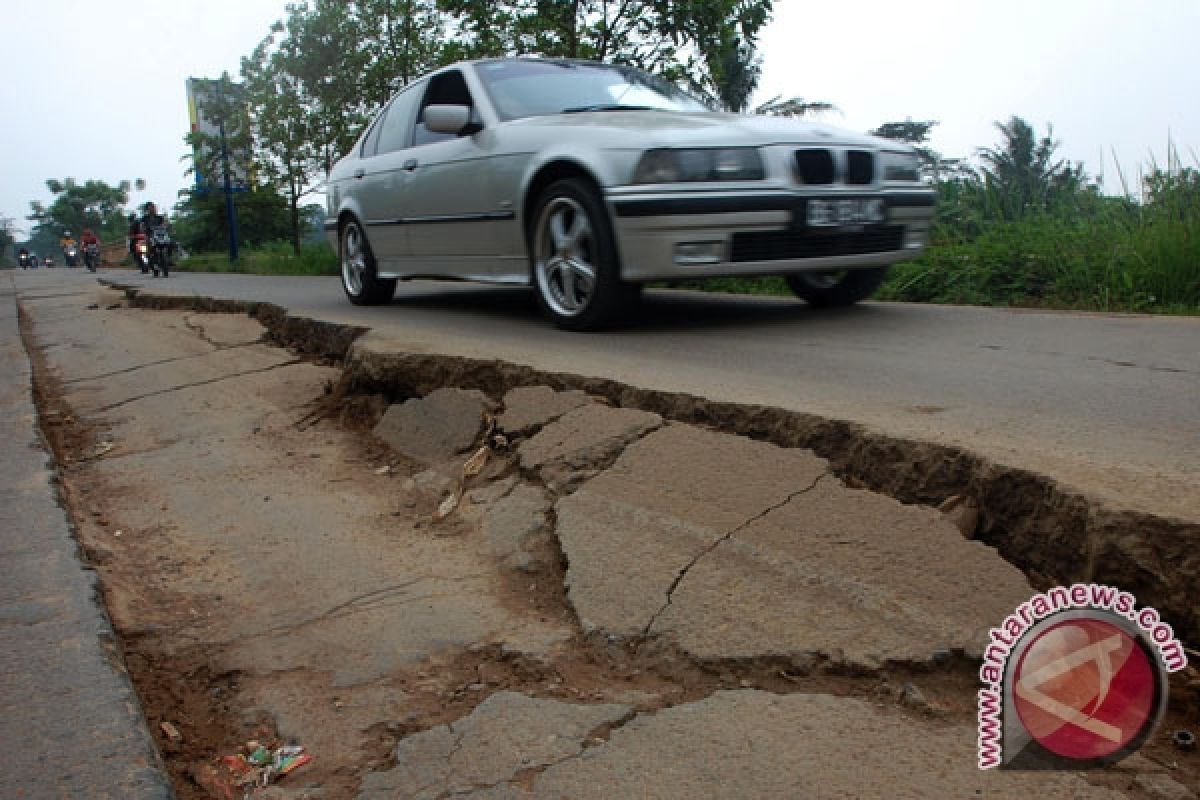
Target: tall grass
{"type": "Point", "coordinates": [276, 258]}
{"type": "Point", "coordinates": [1094, 252]}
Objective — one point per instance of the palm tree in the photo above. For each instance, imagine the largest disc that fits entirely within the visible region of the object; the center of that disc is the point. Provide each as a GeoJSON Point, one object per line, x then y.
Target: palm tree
{"type": "Point", "coordinates": [1022, 172]}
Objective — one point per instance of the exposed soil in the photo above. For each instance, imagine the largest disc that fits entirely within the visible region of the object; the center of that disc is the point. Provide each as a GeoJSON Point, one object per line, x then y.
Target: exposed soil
{"type": "Point", "coordinates": [1055, 536]}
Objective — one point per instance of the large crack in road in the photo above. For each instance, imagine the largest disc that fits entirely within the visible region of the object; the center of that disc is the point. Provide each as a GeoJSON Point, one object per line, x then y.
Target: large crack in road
{"type": "Point", "coordinates": [236, 512]}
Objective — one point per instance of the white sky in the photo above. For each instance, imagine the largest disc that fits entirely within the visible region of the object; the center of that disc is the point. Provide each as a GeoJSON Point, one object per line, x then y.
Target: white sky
{"type": "Point", "coordinates": [103, 96]}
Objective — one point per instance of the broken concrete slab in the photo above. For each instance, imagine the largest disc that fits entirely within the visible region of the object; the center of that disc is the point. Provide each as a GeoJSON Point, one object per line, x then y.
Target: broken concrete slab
{"type": "Point", "coordinates": [582, 441]}
{"type": "Point", "coordinates": [436, 427]}
{"type": "Point", "coordinates": [755, 744]}
{"type": "Point", "coordinates": [528, 408]}
{"type": "Point", "coordinates": [734, 548]}
{"type": "Point", "coordinates": [510, 523]}
{"type": "Point", "coordinates": [506, 734]}
{"type": "Point", "coordinates": [847, 574]}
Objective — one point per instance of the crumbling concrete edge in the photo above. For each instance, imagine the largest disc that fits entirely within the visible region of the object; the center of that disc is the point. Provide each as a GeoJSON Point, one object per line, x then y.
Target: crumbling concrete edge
{"type": "Point", "coordinates": [128, 763]}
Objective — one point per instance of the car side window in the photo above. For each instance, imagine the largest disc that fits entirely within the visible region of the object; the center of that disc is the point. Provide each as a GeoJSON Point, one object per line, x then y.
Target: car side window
{"type": "Point", "coordinates": [396, 127]}
{"type": "Point", "coordinates": [372, 140]}
{"type": "Point", "coordinates": [448, 88]}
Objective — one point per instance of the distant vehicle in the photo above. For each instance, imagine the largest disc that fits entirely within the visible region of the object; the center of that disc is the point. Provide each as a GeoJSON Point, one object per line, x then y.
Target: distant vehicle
{"type": "Point", "coordinates": [71, 255]}
{"type": "Point", "coordinates": [27, 260]}
{"type": "Point", "coordinates": [160, 250]}
{"type": "Point", "coordinates": [91, 256]}
{"type": "Point", "coordinates": [141, 253]}
{"type": "Point", "coordinates": [48, 261]}
{"type": "Point", "coordinates": [589, 180]}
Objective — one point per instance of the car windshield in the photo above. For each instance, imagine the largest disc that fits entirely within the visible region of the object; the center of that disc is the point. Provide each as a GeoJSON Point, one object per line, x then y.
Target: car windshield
{"type": "Point", "coordinates": [538, 88]}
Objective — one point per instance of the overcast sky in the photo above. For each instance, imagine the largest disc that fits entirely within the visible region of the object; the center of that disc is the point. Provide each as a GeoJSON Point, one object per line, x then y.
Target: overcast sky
{"type": "Point", "coordinates": [102, 95]}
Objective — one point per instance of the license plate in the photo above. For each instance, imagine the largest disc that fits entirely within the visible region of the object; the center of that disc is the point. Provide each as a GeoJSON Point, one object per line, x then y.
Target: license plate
{"type": "Point", "coordinates": [844, 212]}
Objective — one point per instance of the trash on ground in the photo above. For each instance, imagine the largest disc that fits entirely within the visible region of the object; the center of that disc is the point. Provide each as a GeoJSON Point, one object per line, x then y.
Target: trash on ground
{"type": "Point", "coordinates": [168, 729]}
{"type": "Point", "coordinates": [447, 506]}
{"type": "Point", "coordinates": [476, 462]}
{"type": "Point", "coordinates": [384, 470]}
{"type": "Point", "coordinates": [243, 774]}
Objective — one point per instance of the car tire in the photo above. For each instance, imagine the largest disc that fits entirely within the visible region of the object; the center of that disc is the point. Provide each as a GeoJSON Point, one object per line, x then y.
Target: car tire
{"type": "Point", "coordinates": [836, 288]}
{"type": "Point", "coordinates": [576, 268]}
{"type": "Point", "coordinates": [361, 282]}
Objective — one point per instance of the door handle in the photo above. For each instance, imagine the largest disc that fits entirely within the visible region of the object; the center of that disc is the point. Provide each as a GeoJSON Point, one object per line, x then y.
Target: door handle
{"type": "Point", "coordinates": [358, 173]}
{"type": "Point", "coordinates": [410, 165]}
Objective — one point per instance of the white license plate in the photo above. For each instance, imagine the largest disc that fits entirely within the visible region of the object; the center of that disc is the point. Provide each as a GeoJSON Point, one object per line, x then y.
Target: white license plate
{"type": "Point", "coordinates": [845, 211]}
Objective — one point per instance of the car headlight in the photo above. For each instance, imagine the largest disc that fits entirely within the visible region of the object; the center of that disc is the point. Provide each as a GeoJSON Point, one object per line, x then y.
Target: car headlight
{"type": "Point", "coordinates": [901, 167]}
{"type": "Point", "coordinates": [699, 164]}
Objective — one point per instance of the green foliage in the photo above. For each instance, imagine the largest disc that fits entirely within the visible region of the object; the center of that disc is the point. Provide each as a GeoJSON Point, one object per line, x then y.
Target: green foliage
{"type": "Point", "coordinates": [92, 204]}
{"type": "Point", "coordinates": [200, 222]}
{"type": "Point", "coordinates": [1084, 251]}
{"type": "Point", "coordinates": [274, 258]}
{"type": "Point", "coordinates": [679, 39]}
{"type": "Point", "coordinates": [1023, 173]}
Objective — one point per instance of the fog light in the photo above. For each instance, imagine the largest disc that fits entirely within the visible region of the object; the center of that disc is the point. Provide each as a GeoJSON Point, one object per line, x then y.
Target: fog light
{"type": "Point", "coordinates": [693, 253]}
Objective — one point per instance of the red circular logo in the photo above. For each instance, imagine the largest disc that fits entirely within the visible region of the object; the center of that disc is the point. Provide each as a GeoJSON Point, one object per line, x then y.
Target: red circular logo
{"type": "Point", "coordinates": [1084, 689]}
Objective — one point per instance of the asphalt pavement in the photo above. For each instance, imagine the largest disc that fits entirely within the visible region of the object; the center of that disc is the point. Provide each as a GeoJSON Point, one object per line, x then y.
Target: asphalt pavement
{"type": "Point", "coordinates": [1105, 403]}
{"type": "Point", "coordinates": [70, 723]}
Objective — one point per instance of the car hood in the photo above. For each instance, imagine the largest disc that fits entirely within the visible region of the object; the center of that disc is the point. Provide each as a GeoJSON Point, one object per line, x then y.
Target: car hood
{"type": "Point", "coordinates": [703, 129]}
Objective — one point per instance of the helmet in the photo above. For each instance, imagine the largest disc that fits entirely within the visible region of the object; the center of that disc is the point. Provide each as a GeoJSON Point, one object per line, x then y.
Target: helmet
{"type": "Point", "coordinates": [66, 233]}
{"type": "Point", "coordinates": [149, 206]}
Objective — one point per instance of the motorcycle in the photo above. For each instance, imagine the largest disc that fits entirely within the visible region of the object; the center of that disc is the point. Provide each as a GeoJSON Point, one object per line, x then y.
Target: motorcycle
{"type": "Point", "coordinates": [141, 253]}
{"type": "Point", "coordinates": [27, 261]}
{"type": "Point", "coordinates": [160, 250]}
{"type": "Point", "coordinates": [71, 255]}
{"type": "Point", "coordinates": [91, 256]}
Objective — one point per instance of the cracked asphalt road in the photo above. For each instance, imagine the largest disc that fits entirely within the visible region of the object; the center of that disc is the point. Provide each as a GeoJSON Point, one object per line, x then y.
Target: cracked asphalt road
{"type": "Point", "coordinates": [695, 614]}
{"type": "Point", "coordinates": [1101, 402]}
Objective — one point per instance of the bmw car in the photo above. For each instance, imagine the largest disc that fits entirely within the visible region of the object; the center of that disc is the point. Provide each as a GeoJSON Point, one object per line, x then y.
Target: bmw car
{"type": "Point", "coordinates": [588, 180]}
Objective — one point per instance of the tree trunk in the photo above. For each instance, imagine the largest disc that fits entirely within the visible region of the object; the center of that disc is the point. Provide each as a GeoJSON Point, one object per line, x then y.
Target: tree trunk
{"type": "Point", "coordinates": [294, 203]}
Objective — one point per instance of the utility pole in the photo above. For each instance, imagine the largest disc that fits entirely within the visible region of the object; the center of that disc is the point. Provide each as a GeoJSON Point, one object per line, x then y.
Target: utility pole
{"type": "Point", "coordinates": [230, 212]}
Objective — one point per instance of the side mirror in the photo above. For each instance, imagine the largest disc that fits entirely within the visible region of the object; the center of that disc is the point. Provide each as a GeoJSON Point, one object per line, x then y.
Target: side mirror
{"type": "Point", "coordinates": [447, 119]}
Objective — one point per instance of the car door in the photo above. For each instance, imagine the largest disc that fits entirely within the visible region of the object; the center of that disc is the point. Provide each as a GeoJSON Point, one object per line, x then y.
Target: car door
{"type": "Point", "coordinates": [381, 179]}
{"type": "Point", "coordinates": [452, 219]}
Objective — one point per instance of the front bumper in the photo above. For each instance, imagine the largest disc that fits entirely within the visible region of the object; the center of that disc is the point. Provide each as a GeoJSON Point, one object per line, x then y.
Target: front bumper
{"type": "Point", "coordinates": [696, 234]}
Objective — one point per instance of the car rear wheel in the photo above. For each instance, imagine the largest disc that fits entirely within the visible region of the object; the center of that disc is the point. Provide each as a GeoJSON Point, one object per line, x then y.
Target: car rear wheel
{"type": "Point", "coordinates": [359, 278]}
{"type": "Point", "coordinates": [831, 288]}
{"type": "Point", "coordinates": [576, 270]}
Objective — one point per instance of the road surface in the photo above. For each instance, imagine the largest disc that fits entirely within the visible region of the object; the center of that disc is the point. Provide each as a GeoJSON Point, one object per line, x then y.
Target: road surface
{"type": "Point", "coordinates": [1107, 403]}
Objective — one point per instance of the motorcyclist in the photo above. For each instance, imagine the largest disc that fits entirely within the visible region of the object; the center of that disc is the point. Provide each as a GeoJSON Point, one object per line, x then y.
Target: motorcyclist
{"type": "Point", "coordinates": [65, 245]}
{"type": "Point", "coordinates": [150, 220]}
{"type": "Point", "coordinates": [23, 257]}
{"type": "Point", "coordinates": [87, 239]}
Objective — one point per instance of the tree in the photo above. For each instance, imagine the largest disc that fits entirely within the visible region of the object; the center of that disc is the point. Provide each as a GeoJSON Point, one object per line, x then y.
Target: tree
{"type": "Point", "coordinates": [682, 40]}
{"type": "Point", "coordinates": [92, 204]}
{"type": "Point", "coordinates": [1022, 173]}
{"type": "Point", "coordinates": [6, 235]}
{"type": "Point", "coordinates": [201, 224]}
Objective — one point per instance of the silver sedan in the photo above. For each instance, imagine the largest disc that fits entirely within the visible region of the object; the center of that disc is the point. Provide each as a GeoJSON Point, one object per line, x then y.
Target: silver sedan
{"type": "Point", "coordinates": [589, 180]}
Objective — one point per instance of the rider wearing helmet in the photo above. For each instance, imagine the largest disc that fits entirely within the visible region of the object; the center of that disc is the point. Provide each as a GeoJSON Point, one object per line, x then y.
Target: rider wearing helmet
{"type": "Point", "coordinates": [66, 241]}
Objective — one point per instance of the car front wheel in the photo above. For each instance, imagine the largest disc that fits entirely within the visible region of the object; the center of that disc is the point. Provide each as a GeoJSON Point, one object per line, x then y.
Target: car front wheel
{"type": "Point", "coordinates": [833, 288]}
{"type": "Point", "coordinates": [576, 270]}
{"type": "Point", "coordinates": [359, 278]}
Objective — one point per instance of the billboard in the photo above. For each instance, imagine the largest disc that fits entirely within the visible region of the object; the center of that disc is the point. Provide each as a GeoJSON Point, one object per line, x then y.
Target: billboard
{"type": "Point", "coordinates": [204, 98]}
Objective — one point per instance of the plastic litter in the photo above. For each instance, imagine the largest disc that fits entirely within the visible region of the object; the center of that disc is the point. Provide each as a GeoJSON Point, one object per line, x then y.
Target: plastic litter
{"type": "Point", "coordinates": [244, 774]}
